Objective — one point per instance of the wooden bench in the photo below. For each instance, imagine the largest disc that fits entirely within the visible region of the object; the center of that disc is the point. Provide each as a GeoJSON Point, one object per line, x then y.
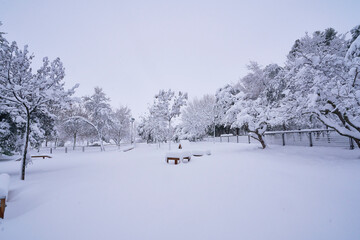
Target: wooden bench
{"type": "Point", "coordinates": [178, 156]}
{"type": "Point", "coordinates": [4, 190]}
{"type": "Point", "coordinates": [176, 159]}
{"type": "Point", "coordinates": [41, 156]}
{"type": "Point", "coordinates": [128, 149]}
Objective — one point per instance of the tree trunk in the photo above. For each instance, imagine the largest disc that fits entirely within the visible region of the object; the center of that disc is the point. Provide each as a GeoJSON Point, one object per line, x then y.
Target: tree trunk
{"type": "Point", "coordinates": [357, 141]}
{"type": "Point", "coordinates": [261, 140]}
{"type": "Point", "coordinates": [169, 135]}
{"type": "Point", "coordinates": [74, 141]}
{"type": "Point", "coordinates": [214, 132]}
{"type": "Point", "coordinates": [25, 150]}
{"type": "Point", "coordinates": [101, 142]}
{"type": "Point", "coordinates": [119, 140]}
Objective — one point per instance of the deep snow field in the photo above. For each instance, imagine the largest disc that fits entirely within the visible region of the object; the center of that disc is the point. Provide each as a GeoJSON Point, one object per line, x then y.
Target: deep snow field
{"type": "Point", "coordinates": [239, 192]}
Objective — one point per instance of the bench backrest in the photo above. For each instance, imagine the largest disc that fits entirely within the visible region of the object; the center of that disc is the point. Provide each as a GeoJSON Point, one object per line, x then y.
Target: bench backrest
{"type": "Point", "coordinates": [4, 185]}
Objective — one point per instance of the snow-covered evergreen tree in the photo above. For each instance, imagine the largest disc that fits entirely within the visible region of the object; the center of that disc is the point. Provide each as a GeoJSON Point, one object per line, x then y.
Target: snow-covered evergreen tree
{"type": "Point", "coordinates": [9, 132]}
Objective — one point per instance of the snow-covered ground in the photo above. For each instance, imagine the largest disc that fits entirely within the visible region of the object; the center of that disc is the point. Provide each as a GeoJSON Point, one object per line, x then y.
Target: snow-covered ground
{"type": "Point", "coordinates": [239, 192]}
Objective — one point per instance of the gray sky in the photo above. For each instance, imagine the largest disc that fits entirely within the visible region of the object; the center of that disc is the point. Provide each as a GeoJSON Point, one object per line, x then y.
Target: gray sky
{"type": "Point", "coordinates": [134, 48]}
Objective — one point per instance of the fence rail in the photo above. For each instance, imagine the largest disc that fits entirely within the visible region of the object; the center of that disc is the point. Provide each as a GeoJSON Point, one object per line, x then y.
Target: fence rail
{"type": "Point", "coordinates": [68, 149]}
{"type": "Point", "coordinates": [306, 137]}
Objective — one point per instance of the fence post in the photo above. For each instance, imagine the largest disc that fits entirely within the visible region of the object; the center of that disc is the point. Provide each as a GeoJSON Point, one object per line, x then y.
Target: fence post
{"type": "Point", "coordinates": [283, 139]}
{"type": "Point", "coordinates": [220, 139]}
{"type": "Point", "coordinates": [310, 139]}
{"type": "Point", "coordinates": [249, 138]}
{"type": "Point", "coordinates": [228, 139]}
{"type": "Point", "coordinates": [237, 138]}
{"type": "Point", "coordinates": [65, 149]}
{"type": "Point", "coordinates": [351, 143]}
{"type": "Point", "coordinates": [83, 149]}
{"type": "Point", "coordinates": [50, 150]}
{"type": "Point", "coordinates": [328, 136]}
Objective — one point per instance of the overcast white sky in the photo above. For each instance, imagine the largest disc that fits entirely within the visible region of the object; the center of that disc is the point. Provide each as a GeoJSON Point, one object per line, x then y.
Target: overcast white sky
{"type": "Point", "coordinates": [134, 48]}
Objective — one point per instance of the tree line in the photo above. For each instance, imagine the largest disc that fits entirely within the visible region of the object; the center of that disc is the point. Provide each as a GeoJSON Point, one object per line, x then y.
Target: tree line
{"type": "Point", "coordinates": [317, 86]}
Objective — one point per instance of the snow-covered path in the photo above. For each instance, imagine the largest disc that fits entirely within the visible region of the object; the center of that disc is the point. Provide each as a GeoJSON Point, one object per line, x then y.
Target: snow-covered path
{"type": "Point", "coordinates": [239, 192]}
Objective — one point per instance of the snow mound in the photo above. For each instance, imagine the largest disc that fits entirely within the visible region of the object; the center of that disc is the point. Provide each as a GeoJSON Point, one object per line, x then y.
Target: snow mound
{"type": "Point", "coordinates": [178, 154]}
{"type": "Point", "coordinates": [4, 185]}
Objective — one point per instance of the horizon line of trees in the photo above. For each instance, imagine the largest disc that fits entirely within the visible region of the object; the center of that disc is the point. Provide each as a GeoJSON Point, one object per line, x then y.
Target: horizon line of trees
{"type": "Point", "coordinates": [317, 86]}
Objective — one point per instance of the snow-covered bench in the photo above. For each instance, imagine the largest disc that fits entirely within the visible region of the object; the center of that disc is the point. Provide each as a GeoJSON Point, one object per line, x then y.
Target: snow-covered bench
{"type": "Point", "coordinates": [178, 155]}
{"type": "Point", "coordinates": [4, 190]}
{"type": "Point", "coordinates": [10, 158]}
{"type": "Point", "coordinates": [41, 156]}
{"type": "Point", "coordinates": [128, 149]}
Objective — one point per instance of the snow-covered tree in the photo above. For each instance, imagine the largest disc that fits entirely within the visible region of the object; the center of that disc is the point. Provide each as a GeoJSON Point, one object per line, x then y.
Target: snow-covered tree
{"type": "Point", "coordinates": [225, 99]}
{"type": "Point", "coordinates": [8, 134]}
{"type": "Point", "coordinates": [152, 129]}
{"type": "Point", "coordinates": [26, 92]}
{"type": "Point", "coordinates": [197, 117]}
{"type": "Point", "coordinates": [167, 106]}
{"type": "Point", "coordinates": [255, 105]}
{"type": "Point", "coordinates": [323, 81]}
{"type": "Point", "coordinates": [120, 124]}
{"type": "Point", "coordinates": [72, 126]}
{"type": "Point", "coordinates": [98, 110]}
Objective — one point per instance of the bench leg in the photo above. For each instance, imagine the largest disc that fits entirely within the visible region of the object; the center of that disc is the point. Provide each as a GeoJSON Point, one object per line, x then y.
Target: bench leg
{"type": "Point", "coordinates": [2, 208]}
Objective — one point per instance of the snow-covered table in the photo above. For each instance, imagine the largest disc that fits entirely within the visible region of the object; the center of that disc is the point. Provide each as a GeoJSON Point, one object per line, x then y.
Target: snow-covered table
{"type": "Point", "coordinates": [4, 190]}
{"type": "Point", "coordinates": [178, 155]}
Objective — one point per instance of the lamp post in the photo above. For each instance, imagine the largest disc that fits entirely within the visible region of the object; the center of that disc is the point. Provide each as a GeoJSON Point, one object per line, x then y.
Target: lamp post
{"type": "Point", "coordinates": [131, 130]}
{"type": "Point", "coordinates": [215, 116]}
